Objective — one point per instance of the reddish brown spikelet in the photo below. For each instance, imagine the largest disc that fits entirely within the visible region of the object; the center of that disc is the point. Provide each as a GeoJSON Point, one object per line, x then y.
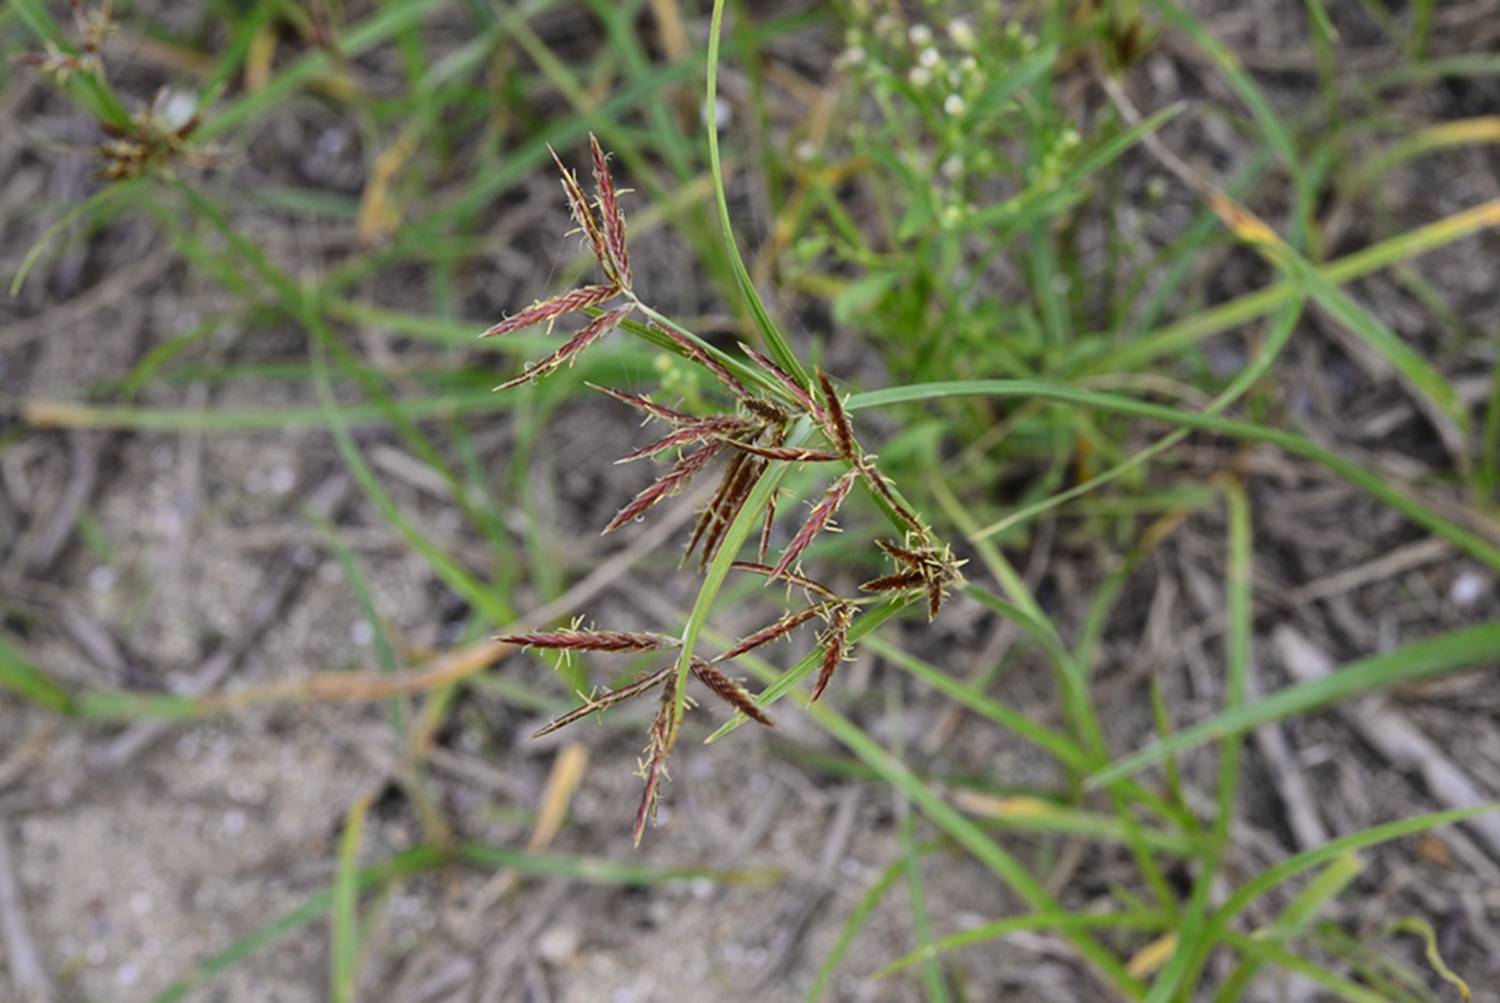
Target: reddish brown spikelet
{"type": "Point", "coordinates": [590, 640]}
{"type": "Point", "coordinates": [645, 405]}
{"type": "Point", "coordinates": [711, 510]}
{"type": "Point", "coordinates": [835, 643]}
{"type": "Point", "coordinates": [707, 361]}
{"type": "Point", "coordinates": [658, 748]}
{"type": "Point", "coordinates": [730, 692]}
{"type": "Point", "coordinates": [609, 208]}
{"type": "Point", "coordinates": [667, 485]}
{"type": "Point", "coordinates": [586, 336]}
{"type": "Point", "coordinates": [786, 453]}
{"type": "Point", "coordinates": [736, 491]}
{"type": "Point", "coordinates": [700, 428]}
{"type": "Point", "coordinates": [584, 216]}
{"type": "Point", "coordinates": [781, 628]}
{"type": "Point", "coordinates": [796, 390]}
{"type": "Point", "coordinates": [607, 699]}
{"type": "Point", "coordinates": [841, 431]}
{"type": "Point", "coordinates": [765, 526]}
{"type": "Point", "coordinates": [821, 515]}
{"type": "Point", "coordinates": [550, 309]}
{"type": "Point", "coordinates": [895, 583]}
{"type": "Point", "coordinates": [791, 577]}
{"type": "Point", "coordinates": [877, 483]}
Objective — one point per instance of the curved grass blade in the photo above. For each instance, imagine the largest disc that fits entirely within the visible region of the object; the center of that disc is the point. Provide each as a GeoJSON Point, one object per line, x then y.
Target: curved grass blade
{"type": "Point", "coordinates": [344, 955]}
{"type": "Point", "coordinates": [776, 343]}
{"type": "Point", "coordinates": [1434, 656]}
{"type": "Point", "coordinates": [1300, 445]}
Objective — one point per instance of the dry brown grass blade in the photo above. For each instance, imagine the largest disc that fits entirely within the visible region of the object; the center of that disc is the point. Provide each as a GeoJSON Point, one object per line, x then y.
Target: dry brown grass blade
{"type": "Point", "coordinates": [351, 686]}
{"type": "Point", "coordinates": [730, 692]}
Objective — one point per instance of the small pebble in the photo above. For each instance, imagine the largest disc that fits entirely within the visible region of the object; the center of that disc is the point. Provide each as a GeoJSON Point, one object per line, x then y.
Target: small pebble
{"type": "Point", "coordinates": [1468, 588]}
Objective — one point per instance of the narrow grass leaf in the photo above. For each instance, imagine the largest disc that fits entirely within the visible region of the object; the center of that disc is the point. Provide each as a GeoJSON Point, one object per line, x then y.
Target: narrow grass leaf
{"type": "Point", "coordinates": [1460, 649]}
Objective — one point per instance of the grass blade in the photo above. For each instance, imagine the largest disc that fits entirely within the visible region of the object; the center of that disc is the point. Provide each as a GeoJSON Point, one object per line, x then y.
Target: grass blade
{"type": "Point", "coordinates": [776, 343]}
{"type": "Point", "coordinates": [21, 677]}
{"type": "Point", "coordinates": [1434, 656]}
{"type": "Point", "coordinates": [344, 956]}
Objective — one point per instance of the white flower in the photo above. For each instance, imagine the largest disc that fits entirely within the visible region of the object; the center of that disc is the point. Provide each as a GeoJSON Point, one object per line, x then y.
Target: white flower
{"type": "Point", "coordinates": [852, 56]}
{"type": "Point", "coordinates": [954, 105]}
{"type": "Point", "coordinates": [929, 58]}
{"type": "Point", "coordinates": [919, 34]}
{"type": "Point", "coordinates": [962, 34]}
{"type": "Point", "coordinates": [920, 76]}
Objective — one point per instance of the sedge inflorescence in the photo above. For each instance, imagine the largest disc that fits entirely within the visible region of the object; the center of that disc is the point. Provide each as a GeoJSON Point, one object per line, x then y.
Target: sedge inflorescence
{"type": "Point", "coordinates": [759, 429]}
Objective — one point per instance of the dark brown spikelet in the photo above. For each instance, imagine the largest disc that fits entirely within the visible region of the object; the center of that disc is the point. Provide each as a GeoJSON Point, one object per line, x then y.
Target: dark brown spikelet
{"type": "Point", "coordinates": [707, 361]}
{"type": "Point", "coordinates": [732, 499]}
{"type": "Point", "coordinates": [645, 405]}
{"type": "Point", "coordinates": [790, 577]}
{"type": "Point", "coordinates": [658, 747]}
{"type": "Point", "coordinates": [590, 640]}
{"type": "Point", "coordinates": [711, 510]}
{"type": "Point", "coordinates": [549, 309]}
{"type": "Point", "coordinates": [586, 336]}
{"type": "Point", "coordinates": [817, 520]}
{"type": "Point", "coordinates": [877, 483]}
{"type": "Point", "coordinates": [699, 429]}
{"type": "Point", "coordinates": [609, 208]}
{"type": "Point", "coordinates": [935, 597]}
{"type": "Point", "coordinates": [668, 485]}
{"type": "Point", "coordinates": [584, 216]}
{"type": "Point", "coordinates": [781, 628]}
{"type": "Point", "coordinates": [899, 582]}
{"type": "Point", "coordinates": [730, 692]}
{"type": "Point", "coordinates": [788, 454]}
{"type": "Point", "coordinates": [607, 699]}
{"type": "Point", "coordinates": [766, 410]}
{"type": "Point", "coordinates": [839, 428]}
{"type": "Point", "coordinates": [765, 526]}
{"type": "Point", "coordinates": [785, 380]}
{"type": "Point", "coordinates": [905, 556]}
{"type": "Point", "coordinates": [835, 643]}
